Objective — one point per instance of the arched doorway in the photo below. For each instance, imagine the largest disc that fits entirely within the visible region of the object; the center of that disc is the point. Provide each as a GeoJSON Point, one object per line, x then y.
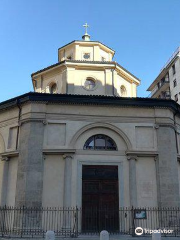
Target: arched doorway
{"type": "Point", "coordinates": [100, 195]}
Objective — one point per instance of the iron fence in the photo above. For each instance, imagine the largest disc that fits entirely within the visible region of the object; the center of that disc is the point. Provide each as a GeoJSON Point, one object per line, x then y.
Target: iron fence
{"type": "Point", "coordinates": [72, 222]}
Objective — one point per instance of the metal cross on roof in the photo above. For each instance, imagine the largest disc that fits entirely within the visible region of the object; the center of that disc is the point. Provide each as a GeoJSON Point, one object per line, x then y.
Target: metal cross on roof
{"type": "Point", "coordinates": [86, 26]}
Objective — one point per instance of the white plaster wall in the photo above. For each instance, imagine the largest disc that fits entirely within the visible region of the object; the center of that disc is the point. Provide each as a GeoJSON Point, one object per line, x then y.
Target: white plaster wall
{"type": "Point", "coordinates": [11, 183]}
{"type": "Point", "coordinates": [146, 182]}
{"type": "Point", "coordinates": [120, 81]}
{"type": "Point", "coordinates": [66, 52]}
{"type": "Point", "coordinates": [2, 144]}
{"type": "Point", "coordinates": [84, 49]}
{"type": "Point", "coordinates": [145, 137]}
{"type": "Point", "coordinates": [105, 55]}
{"type": "Point", "coordinates": [55, 134]}
{"type": "Point", "coordinates": [175, 90]}
{"type": "Point", "coordinates": [79, 80]}
{"type": "Point", "coordinates": [53, 77]}
{"type": "Point", "coordinates": [1, 177]}
{"type": "Point", "coordinates": [53, 181]}
{"type": "Point", "coordinates": [12, 138]}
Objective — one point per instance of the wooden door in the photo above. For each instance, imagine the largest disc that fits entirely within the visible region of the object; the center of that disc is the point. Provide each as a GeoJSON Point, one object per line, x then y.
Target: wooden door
{"type": "Point", "coordinates": [100, 198]}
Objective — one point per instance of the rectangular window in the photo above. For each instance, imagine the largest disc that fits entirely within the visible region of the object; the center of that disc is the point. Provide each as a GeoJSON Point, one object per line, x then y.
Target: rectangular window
{"type": "Point", "coordinates": [173, 69]}
{"type": "Point", "coordinates": [176, 97]}
{"type": "Point", "coordinates": [175, 83]}
{"type": "Point", "coordinates": [163, 80]}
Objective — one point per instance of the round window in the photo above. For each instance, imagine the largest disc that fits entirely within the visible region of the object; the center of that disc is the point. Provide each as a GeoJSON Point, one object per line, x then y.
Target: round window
{"type": "Point", "coordinates": [53, 88]}
{"type": "Point", "coordinates": [86, 56]}
{"type": "Point", "coordinates": [89, 83]}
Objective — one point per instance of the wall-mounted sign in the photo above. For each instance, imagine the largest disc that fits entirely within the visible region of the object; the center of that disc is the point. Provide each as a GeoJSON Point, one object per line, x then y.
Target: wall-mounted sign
{"type": "Point", "coordinates": [140, 214]}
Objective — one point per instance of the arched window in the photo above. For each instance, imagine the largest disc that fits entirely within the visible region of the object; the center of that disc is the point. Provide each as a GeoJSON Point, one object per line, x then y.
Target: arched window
{"type": "Point", "coordinates": [100, 142]}
{"type": "Point", "coordinates": [53, 88]}
{"type": "Point", "coordinates": [89, 83]}
{"type": "Point", "coordinates": [123, 91]}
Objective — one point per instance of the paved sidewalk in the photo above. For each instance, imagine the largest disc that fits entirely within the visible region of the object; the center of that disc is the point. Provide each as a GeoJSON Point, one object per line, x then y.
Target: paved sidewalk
{"type": "Point", "coordinates": [95, 237]}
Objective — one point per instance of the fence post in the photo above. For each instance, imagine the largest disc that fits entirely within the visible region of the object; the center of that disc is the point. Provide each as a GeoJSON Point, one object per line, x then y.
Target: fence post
{"type": "Point", "coordinates": [133, 224]}
{"type": "Point", "coordinates": [3, 214]}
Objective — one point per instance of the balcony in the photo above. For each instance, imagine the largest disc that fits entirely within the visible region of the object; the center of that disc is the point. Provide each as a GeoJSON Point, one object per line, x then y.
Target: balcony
{"type": "Point", "coordinates": [161, 87]}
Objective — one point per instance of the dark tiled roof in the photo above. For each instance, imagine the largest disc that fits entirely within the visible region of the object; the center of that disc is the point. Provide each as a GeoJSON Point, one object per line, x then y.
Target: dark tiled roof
{"type": "Point", "coordinates": [85, 42]}
{"type": "Point", "coordinates": [90, 100]}
{"type": "Point", "coordinates": [87, 62]}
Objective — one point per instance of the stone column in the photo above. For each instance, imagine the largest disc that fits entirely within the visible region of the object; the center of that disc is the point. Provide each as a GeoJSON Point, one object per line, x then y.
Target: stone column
{"type": "Point", "coordinates": [68, 216]}
{"type": "Point", "coordinates": [67, 180]}
{"type": "Point", "coordinates": [30, 165]}
{"type": "Point", "coordinates": [167, 167]}
{"type": "Point", "coordinates": [132, 180]}
{"type": "Point", "coordinates": [4, 180]}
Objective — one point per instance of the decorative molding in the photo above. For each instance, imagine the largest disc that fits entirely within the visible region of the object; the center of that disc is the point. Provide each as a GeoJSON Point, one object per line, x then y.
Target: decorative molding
{"type": "Point", "coordinates": [94, 152]}
{"type": "Point", "coordinates": [170, 125]}
{"type": "Point", "coordinates": [58, 151]}
{"type": "Point", "coordinates": [142, 153]}
{"type": "Point", "coordinates": [45, 122]}
{"type": "Point", "coordinates": [9, 154]}
{"type": "Point", "coordinates": [90, 100]}
{"type": "Point", "coordinates": [32, 120]}
{"type": "Point", "coordinates": [178, 158]}
{"type": "Point", "coordinates": [132, 157]}
{"type": "Point", "coordinates": [101, 125]}
{"type": "Point", "coordinates": [5, 159]}
{"type": "Point", "coordinates": [67, 156]}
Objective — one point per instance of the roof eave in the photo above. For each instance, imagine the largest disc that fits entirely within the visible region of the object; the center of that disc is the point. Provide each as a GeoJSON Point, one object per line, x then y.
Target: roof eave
{"type": "Point", "coordinates": [86, 42]}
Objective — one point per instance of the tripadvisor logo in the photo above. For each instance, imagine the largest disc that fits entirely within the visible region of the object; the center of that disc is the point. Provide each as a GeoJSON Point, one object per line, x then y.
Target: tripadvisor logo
{"type": "Point", "coordinates": [138, 231]}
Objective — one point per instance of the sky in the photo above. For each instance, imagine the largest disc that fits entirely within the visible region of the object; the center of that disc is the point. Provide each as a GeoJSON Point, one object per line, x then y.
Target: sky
{"type": "Point", "coordinates": [144, 34]}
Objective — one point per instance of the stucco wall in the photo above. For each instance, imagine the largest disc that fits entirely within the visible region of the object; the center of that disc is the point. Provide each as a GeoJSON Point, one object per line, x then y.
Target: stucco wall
{"type": "Point", "coordinates": [53, 181]}
{"type": "Point", "coordinates": [12, 181]}
{"type": "Point", "coordinates": [48, 131]}
{"type": "Point", "coordinates": [146, 182]}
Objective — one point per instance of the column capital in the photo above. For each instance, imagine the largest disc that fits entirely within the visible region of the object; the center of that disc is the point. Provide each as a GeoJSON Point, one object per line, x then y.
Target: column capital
{"type": "Point", "coordinates": [132, 157]}
{"type": "Point", "coordinates": [5, 159]}
{"type": "Point", "coordinates": [67, 156]}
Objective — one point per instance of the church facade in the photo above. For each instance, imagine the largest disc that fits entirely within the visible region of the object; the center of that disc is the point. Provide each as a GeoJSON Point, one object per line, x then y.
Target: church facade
{"type": "Point", "coordinates": [83, 138]}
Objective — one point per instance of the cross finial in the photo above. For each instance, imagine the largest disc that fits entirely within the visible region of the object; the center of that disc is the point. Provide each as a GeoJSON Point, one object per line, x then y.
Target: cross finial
{"type": "Point", "coordinates": [86, 26]}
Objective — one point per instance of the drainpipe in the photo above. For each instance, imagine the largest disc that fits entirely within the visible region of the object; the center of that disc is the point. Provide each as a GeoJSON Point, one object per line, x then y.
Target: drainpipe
{"type": "Point", "coordinates": [19, 116]}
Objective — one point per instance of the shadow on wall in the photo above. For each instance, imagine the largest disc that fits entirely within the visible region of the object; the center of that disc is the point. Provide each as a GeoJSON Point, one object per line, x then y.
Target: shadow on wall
{"type": "Point", "coordinates": [2, 145]}
{"type": "Point", "coordinates": [92, 87]}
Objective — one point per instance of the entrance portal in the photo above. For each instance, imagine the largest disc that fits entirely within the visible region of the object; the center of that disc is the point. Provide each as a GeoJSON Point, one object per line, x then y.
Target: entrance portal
{"type": "Point", "coordinates": [100, 201]}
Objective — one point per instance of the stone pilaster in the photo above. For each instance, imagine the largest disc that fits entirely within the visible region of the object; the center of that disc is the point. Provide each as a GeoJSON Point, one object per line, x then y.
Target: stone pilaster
{"type": "Point", "coordinates": [4, 179]}
{"type": "Point", "coordinates": [30, 165]}
{"type": "Point", "coordinates": [167, 168]}
{"type": "Point", "coordinates": [67, 216]}
{"type": "Point", "coordinates": [67, 180]}
{"type": "Point", "coordinates": [132, 180]}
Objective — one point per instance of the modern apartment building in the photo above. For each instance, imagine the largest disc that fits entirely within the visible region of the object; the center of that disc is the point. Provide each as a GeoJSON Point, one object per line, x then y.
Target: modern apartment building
{"type": "Point", "coordinates": [167, 83]}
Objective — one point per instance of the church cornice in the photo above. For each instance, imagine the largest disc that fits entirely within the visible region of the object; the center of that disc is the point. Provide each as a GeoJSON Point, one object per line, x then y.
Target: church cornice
{"type": "Point", "coordinates": [90, 100]}
{"type": "Point", "coordinates": [102, 63]}
{"type": "Point", "coordinates": [87, 43]}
